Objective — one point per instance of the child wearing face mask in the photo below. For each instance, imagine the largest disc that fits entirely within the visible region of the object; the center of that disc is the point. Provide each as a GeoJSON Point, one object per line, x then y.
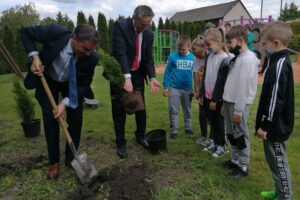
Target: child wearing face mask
{"type": "Point", "coordinates": [275, 113]}
{"type": "Point", "coordinates": [177, 83]}
{"type": "Point", "coordinates": [212, 86]}
{"type": "Point", "coordinates": [239, 93]}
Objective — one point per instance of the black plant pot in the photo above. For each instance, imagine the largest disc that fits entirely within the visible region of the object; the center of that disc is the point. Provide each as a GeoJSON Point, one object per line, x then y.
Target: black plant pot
{"type": "Point", "coordinates": [157, 140]}
{"type": "Point", "coordinates": [32, 128]}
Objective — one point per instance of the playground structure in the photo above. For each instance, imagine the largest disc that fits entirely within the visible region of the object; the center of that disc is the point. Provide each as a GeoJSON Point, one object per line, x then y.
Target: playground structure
{"type": "Point", "coordinates": [251, 21]}
{"type": "Point", "coordinates": [164, 44]}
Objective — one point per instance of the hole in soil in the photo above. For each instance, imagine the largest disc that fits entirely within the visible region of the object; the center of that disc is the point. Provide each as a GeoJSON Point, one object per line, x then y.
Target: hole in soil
{"type": "Point", "coordinates": [118, 183]}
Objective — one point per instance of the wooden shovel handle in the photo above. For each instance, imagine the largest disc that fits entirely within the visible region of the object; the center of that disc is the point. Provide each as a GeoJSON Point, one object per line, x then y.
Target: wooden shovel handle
{"type": "Point", "coordinates": [54, 106]}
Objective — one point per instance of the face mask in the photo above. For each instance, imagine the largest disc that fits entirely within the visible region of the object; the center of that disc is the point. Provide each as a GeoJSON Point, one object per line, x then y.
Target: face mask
{"type": "Point", "coordinates": [211, 50]}
{"type": "Point", "coordinates": [236, 50]}
{"type": "Point", "coordinates": [268, 52]}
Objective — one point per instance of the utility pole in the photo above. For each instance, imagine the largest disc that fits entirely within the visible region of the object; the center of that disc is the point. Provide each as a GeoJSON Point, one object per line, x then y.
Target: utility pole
{"type": "Point", "coordinates": [261, 9]}
{"type": "Point", "coordinates": [280, 7]}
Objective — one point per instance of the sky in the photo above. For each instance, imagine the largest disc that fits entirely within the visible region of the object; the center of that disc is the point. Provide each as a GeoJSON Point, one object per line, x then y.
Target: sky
{"type": "Point", "coordinates": [114, 8]}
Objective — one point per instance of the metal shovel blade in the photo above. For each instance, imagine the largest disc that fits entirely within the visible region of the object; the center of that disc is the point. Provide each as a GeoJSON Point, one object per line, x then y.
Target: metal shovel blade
{"type": "Point", "coordinates": [85, 170]}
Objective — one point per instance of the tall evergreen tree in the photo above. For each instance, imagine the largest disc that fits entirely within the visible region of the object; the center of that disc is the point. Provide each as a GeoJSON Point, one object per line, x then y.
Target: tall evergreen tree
{"type": "Point", "coordinates": [167, 24]}
{"type": "Point", "coordinates": [103, 30]}
{"type": "Point", "coordinates": [193, 33]}
{"type": "Point", "coordinates": [153, 27]}
{"type": "Point", "coordinates": [160, 23]}
{"type": "Point", "coordinates": [21, 56]}
{"type": "Point", "coordinates": [68, 23]}
{"type": "Point", "coordinates": [16, 18]}
{"type": "Point", "coordinates": [289, 12]}
{"type": "Point", "coordinates": [81, 18]}
{"type": "Point", "coordinates": [60, 18]}
{"type": "Point", "coordinates": [186, 28]}
{"type": "Point", "coordinates": [9, 40]}
{"type": "Point", "coordinates": [91, 21]}
{"type": "Point", "coordinates": [47, 21]}
{"type": "Point", "coordinates": [111, 23]}
{"type": "Point", "coordinates": [9, 43]}
{"type": "Point", "coordinates": [121, 17]}
{"type": "Point", "coordinates": [173, 25]}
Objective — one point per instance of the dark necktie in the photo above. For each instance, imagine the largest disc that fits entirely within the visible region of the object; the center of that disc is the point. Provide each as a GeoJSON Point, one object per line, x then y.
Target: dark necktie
{"type": "Point", "coordinates": [135, 65]}
{"type": "Point", "coordinates": [73, 103]}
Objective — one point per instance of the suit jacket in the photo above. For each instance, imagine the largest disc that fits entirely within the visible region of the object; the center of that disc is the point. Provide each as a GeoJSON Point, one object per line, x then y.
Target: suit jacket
{"type": "Point", "coordinates": [53, 39]}
{"type": "Point", "coordinates": [123, 47]}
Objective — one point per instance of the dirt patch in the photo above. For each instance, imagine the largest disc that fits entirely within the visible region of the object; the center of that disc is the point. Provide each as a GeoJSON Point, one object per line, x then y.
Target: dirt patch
{"type": "Point", "coordinates": [24, 165]}
{"type": "Point", "coordinates": [118, 183]}
{"type": "Point", "coordinates": [5, 169]}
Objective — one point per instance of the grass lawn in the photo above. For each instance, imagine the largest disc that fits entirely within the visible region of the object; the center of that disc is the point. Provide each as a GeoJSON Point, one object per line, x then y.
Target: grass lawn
{"type": "Point", "coordinates": [184, 172]}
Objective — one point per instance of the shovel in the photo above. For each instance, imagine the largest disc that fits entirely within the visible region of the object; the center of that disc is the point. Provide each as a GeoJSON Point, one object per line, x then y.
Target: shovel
{"type": "Point", "coordinates": [85, 170]}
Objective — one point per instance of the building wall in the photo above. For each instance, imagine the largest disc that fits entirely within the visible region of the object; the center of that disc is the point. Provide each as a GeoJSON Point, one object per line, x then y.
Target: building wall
{"type": "Point", "coordinates": [234, 15]}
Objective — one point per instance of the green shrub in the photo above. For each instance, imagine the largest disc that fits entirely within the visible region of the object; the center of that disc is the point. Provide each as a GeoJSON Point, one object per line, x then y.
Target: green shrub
{"type": "Point", "coordinates": [24, 104]}
{"type": "Point", "coordinates": [295, 27]}
{"type": "Point", "coordinates": [112, 70]}
{"type": "Point", "coordinates": [295, 42]}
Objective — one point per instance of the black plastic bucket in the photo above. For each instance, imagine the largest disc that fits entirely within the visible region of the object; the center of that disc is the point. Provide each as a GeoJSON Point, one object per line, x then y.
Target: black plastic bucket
{"type": "Point", "coordinates": [157, 140]}
{"type": "Point", "coordinates": [32, 128]}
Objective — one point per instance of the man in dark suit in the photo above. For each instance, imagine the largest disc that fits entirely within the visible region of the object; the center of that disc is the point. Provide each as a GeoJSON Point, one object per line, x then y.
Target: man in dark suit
{"type": "Point", "coordinates": [67, 60]}
{"type": "Point", "coordinates": [132, 47]}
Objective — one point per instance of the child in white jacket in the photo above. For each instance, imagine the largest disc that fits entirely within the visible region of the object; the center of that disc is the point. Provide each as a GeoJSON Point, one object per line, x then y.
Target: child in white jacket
{"type": "Point", "coordinates": [239, 93]}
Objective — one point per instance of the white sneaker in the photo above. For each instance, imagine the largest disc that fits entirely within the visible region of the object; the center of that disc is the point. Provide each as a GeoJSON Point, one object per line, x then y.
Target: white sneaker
{"type": "Point", "coordinates": [206, 142]}
{"type": "Point", "coordinates": [209, 147]}
{"type": "Point", "coordinates": [219, 152]}
{"type": "Point", "coordinates": [200, 140]}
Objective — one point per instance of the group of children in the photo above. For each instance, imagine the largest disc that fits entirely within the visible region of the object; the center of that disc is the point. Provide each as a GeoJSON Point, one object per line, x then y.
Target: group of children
{"type": "Point", "coordinates": [225, 80]}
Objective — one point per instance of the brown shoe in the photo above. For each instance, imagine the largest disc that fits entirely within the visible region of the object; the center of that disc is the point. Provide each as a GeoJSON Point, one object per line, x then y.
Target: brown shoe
{"type": "Point", "coordinates": [53, 171]}
{"type": "Point", "coordinates": [68, 164]}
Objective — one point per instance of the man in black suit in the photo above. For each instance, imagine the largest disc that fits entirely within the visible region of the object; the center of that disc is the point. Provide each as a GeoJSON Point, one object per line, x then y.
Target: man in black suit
{"type": "Point", "coordinates": [67, 60]}
{"type": "Point", "coordinates": [132, 47]}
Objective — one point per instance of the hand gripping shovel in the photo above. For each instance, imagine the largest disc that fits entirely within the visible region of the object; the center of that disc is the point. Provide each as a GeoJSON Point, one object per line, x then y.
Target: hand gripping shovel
{"type": "Point", "coordinates": [85, 170]}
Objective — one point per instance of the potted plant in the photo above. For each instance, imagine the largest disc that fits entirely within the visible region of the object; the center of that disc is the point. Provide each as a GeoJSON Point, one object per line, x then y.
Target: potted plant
{"type": "Point", "coordinates": [25, 109]}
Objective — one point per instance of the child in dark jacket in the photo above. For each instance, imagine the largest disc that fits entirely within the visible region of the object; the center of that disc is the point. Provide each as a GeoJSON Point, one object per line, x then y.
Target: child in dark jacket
{"type": "Point", "coordinates": [275, 114]}
{"type": "Point", "coordinates": [212, 86]}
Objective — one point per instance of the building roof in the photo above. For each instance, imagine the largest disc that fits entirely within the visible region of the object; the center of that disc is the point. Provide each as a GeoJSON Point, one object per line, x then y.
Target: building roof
{"type": "Point", "coordinates": [205, 13]}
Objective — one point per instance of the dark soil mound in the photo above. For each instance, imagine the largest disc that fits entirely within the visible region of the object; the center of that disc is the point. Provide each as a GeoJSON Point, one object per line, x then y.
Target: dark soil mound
{"type": "Point", "coordinates": [118, 183]}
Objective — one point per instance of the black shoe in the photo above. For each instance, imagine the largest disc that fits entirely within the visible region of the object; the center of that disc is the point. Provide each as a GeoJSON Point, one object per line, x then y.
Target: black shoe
{"type": "Point", "coordinates": [143, 142]}
{"type": "Point", "coordinates": [228, 165]}
{"type": "Point", "coordinates": [173, 137]}
{"type": "Point", "coordinates": [188, 132]}
{"type": "Point", "coordinates": [121, 152]}
{"type": "Point", "coordinates": [237, 173]}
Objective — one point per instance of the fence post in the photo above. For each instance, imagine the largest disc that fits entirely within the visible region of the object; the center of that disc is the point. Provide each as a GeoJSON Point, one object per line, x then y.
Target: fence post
{"type": "Point", "coordinates": [270, 18]}
{"type": "Point", "coordinates": [242, 20]}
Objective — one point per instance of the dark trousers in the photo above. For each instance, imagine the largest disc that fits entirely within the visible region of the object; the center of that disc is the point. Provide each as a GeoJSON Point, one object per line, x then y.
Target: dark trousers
{"type": "Point", "coordinates": [51, 125]}
{"type": "Point", "coordinates": [119, 114]}
{"type": "Point", "coordinates": [203, 120]}
{"type": "Point", "coordinates": [217, 122]}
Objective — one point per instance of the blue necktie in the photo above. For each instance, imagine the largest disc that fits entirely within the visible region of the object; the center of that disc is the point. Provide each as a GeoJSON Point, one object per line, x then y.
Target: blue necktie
{"type": "Point", "coordinates": [73, 103]}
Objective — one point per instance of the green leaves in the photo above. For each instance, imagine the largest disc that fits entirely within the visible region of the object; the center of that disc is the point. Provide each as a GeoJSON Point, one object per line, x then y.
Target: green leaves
{"type": "Point", "coordinates": [24, 104]}
{"type": "Point", "coordinates": [112, 69]}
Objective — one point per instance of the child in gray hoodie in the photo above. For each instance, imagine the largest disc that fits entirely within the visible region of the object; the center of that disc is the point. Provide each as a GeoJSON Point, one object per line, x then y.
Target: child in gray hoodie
{"type": "Point", "coordinates": [239, 93]}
